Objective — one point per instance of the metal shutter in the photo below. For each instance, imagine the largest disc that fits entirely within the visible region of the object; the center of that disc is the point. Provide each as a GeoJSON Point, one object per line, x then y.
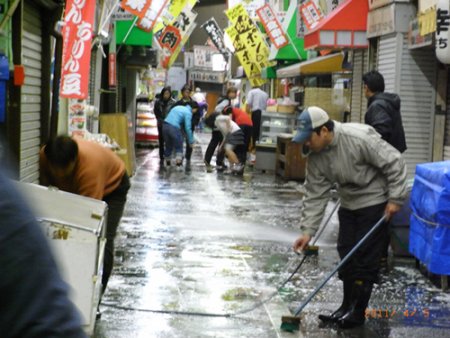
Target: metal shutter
{"type": "Point", "coordinates": [411, 74]}
{"type": "Point", "coordinates": [30, 126]}
{"type": "Point", "coordinates": [359, 101]}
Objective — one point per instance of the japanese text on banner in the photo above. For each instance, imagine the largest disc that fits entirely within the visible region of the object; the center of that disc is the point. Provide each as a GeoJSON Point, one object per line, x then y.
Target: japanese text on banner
{"type": "Point", "coordinates": [151, 15]}
{"type": "Point", "coordinates": [272, 26]}
{"type": "Point", "coordinates": [77, 37]}
{"type": "Point", "coordinates": [136, 7]}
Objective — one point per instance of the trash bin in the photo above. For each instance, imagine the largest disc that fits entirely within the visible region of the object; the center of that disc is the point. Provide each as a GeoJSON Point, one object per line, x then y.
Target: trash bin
{"type": "Point", "coordinates": [75, 227]}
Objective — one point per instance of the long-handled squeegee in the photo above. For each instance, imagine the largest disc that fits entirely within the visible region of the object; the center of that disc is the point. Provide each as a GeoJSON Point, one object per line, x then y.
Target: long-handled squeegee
{"type": "Point", "coordinates": [292, 323]}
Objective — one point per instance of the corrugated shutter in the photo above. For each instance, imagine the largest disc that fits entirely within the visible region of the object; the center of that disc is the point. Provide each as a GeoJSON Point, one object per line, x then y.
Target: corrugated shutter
{"type": "Point", "coordinates": [359, 101]}
{"type": "Point", "coordinates": [447, 126]}
{"type": "Point", "coordinates": [411, 74]}
{"type": "Point", "coordinates": [30, 128]}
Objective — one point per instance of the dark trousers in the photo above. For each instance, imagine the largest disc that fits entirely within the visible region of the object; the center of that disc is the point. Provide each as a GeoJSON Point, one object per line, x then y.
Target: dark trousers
{"type": "Point", "coordinates": [256, 119]}
{"type": "Point", "coordinates": [161, 139]}
{"type": "Point", "coordinates": [116, 204]}
{"type": "Point", "coordinates": [216, 139]}
{"type": "Point", "coordinates": [353, 225]}
{"type": "Point", "coordinates": [248, 131]}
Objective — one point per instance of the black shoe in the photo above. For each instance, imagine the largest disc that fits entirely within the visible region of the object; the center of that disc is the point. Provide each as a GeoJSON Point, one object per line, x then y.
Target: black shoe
{"type": "Point", "coordinates": [356, 314]}
{"type": "Point", "coordinates": [336, 315]}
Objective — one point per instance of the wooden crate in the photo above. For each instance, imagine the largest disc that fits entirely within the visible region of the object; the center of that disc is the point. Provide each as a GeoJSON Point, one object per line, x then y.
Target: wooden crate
{"type": "Point", "coordinates": [289, 161]}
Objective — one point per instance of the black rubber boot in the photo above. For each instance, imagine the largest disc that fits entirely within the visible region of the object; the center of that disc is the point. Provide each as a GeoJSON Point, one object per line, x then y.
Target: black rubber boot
{"type": "Point", "coordinates": [360, 297]}
{"type": "Point", "coordinates": [342, 310]}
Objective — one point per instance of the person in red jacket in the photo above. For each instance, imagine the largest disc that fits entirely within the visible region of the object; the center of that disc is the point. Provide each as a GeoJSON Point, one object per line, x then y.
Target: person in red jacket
{"type": "Point", "coordinates": [243, 120]}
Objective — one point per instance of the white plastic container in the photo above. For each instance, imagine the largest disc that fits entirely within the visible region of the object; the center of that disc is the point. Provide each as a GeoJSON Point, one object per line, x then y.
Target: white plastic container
{"type": "Point", "coordinates": [75, 227]}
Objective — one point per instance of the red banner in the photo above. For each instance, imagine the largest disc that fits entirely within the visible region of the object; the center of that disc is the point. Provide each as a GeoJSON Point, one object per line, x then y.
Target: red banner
{"type": "Point", "coordinates": [112, 80]}
{"type": "Point", "coordinates": [136, 7]}
{"type": "Point", "coordinates": [77, 38]}
{"type": "Point", "coordinates": [272, 26]}
{"type": "Point", "coordinates": [169, 41]}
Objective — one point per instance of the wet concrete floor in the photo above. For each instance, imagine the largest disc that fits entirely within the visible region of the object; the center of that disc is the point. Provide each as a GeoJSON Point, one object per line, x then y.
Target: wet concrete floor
{"type": "Point", "coordinates": [212, 244]}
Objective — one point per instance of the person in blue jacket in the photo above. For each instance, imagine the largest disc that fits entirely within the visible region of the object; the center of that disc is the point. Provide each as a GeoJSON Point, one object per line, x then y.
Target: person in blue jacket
{"type": "Point", "coordinates": [178, 120]}
{"type": "Point", "coordinates": [34, 298]}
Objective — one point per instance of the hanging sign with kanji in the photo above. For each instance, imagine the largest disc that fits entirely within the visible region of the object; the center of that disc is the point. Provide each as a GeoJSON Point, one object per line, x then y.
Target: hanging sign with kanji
{"type": "Point", "coordinates": [272, 26]}
{"type": "Point", "coordinates": [153, 12]}
{"type": "Point", "coordinates": [76, 58]}
{"type": "Point", "coordinates": [215, 34]}
{"type": "Point", "coordinates": [136, 7]}
{"type": "Point", "coordinates": [443, 31]}
{"type": "Point", "coordinates": [171, 13]}
{"type": "Point", "coordinates": [250, 47]}
{"type": "Point", "coordinates": [186, 25]}
{"type": "Point", "coordinates": [311, 14]}
{"type": "Point", "coordinates": [169, 41]}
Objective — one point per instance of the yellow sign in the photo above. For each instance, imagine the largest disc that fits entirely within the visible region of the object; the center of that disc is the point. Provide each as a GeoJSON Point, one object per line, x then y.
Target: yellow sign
{"type": "Point", "coordinates": [427, 22]}
{"type": "Point", "coordinates": [250, 47]}
{"type": "Point", "coordinates": [174, 10]}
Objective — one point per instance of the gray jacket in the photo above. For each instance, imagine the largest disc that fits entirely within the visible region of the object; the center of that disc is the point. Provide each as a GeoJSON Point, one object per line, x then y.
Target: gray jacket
{"type": "Point", "coordinates": [367, 170]}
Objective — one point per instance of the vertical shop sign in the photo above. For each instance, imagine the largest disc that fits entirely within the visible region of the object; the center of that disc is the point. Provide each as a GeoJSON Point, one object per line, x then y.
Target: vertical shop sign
{"type": "Point", "coordinates": [272, 26]}
{"type": "Point", "coordinates": [77, 117]}
{"type": "Point", "coordinates": [169, 41]}
{"type": "Point", "coordinates": [153, 12]}
{"type": "Point", "coordinates": [250, 47]}
{"type": "Point", "coordinates": [215, 34]}
{"type": "Point", "coordinates": [443, 31]}
{"type": "Point", "coordinates": [112, 80]}
{"type": "Point", "coordinates": [311, 14]}
{"type": "Point", "coordinates": [77, 37]}
{"type": "Point", "coordinates": [136, 7]}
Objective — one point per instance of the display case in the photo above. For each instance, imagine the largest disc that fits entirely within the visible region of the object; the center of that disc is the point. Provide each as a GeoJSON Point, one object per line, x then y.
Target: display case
{"type": "Point", "coordinates": [146, 124]}
{"type": "Point", "coordinates": [275, 123]}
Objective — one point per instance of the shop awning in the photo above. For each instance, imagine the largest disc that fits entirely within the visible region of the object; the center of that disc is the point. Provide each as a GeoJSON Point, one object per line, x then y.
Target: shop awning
{"type": "Point", "coordinates": [321, 65]}
{"type": "Point", "coordinates": [269, 73]}
{"type": "Point", "coordinates": [345, 27]}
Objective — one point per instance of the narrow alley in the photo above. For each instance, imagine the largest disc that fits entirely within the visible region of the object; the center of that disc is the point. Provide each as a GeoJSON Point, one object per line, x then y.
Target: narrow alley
{"type": "Point", "coordinates": [212, 244]}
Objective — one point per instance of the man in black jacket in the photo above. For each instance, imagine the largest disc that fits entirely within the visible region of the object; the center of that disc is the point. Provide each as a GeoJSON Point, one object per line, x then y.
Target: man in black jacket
{"type": "Point", "coordinates": [383, 114]}
{"type": "Point", "coordinates": [383, 111]}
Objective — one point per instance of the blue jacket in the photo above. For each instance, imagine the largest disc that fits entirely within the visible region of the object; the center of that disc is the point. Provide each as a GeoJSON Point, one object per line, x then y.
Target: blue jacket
{"type": "Point", "coordinates": [34, 299]}
{"type": "Point", "coordinates": [180, 116]}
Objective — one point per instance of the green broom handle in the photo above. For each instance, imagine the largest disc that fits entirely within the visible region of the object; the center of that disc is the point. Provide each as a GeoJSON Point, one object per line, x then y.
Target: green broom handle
{"type": "Point", "coordinates": [343, 261]}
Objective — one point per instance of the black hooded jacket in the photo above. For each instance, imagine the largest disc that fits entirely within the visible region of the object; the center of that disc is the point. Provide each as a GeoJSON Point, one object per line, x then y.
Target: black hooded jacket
{"type": "Point", "coordinates": [383, 114]}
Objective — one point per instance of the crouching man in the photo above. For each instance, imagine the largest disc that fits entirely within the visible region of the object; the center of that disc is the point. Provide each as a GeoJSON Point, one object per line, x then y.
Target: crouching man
{"type": "Point", "coordinates": [371, 181]}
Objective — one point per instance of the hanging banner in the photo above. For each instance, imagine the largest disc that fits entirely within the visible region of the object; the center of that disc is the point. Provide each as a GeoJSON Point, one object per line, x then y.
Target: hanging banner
{"type": "Point", "coordinates": [250, 47]}
{"type": "Point", "coordinates": [272, 26]}
{"type": "Point", "coordinates": [169, 41]}
{"type": "Point", "coordinates": [136, 7]}
{"type": "Point", "coordinates": [215, 34]}
{"type": "Point", "coordinates": [151, 15]}
{"type": "Point", "coordinates": [171, 12]}
{"type": "Point", "coordinates": [76, 57]}
{"type": "Point", "coordinates": [311, 14]}
{"type": "Point", "coordinates": [443, 31]}
{"type": "Point", "coordinates": [112, 79]}
{"type": "Point", "coordinates": [186, 25]}
{"type": "Point", "coordinates": [250, 6]}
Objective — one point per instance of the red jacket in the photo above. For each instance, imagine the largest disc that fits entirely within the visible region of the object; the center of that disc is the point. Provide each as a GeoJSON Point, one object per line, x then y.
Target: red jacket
{"type": "Point", "coordinates": [241, 117]}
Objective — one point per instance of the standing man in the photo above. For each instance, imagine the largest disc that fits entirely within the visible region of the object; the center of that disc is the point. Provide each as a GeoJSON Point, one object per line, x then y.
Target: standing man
{"type": "Point", "coordinates": [88, 169]}
{"type": "Point", "coordinates": [256, 105]}
{"type": "Point", "coordinates": [34, 298]}
{"type": "Point", "coordinates": [383, 114]}
{"type": "Point", "coordinates": [383, 111]}
{"type": "Point", "coordinates": [162, 107]}
{"type": "Point", "coordinates": [371, 182]}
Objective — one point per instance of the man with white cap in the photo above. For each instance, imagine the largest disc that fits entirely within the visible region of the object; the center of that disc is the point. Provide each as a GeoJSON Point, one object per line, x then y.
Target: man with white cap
{"type": "Point", "coordinates": [371, 181]}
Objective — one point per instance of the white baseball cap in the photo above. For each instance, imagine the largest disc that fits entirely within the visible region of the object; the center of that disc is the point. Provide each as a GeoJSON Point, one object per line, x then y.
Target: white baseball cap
{"type": "Point", "coordinates": [309, 119]}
